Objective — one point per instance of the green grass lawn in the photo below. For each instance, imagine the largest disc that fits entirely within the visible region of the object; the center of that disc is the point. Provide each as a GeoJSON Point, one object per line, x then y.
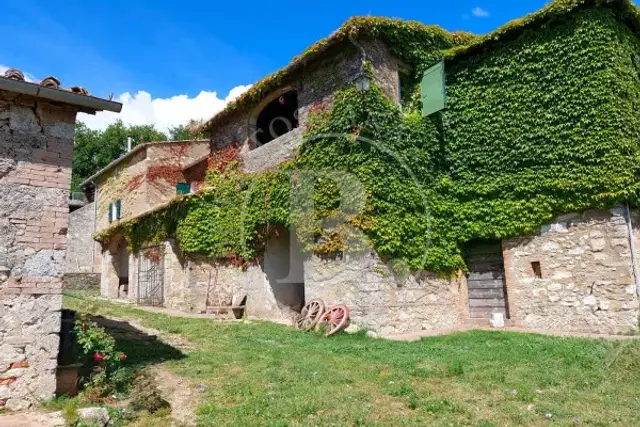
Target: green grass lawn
{"type": "Point", "coordinates": [265, 374]}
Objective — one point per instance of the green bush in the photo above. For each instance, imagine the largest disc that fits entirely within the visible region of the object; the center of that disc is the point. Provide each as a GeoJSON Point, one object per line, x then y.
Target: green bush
{"type": "Point", "coordinates": [99, 354]}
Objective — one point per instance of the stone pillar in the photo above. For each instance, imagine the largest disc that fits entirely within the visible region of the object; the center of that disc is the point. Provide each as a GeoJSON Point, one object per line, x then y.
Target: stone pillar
{"type": "Point", "coordinates": [36, 143]}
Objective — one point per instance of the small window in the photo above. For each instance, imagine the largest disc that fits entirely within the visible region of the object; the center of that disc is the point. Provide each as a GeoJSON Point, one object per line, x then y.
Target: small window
{"type": "Point", "coordinates": [183, 188]}
{"type": "Point", "coordinates": [537, 270]}
{"type": "Point", "coordinates": [406, 87]}
{"type": "Point", "coordinates": [433, 91]}
{"type": "Point", "coordinates": [114, 210]}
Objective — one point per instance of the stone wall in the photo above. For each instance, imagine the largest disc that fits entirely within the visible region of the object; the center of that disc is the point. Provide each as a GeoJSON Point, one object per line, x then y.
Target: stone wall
{"type": "Point", "coordinates": [129, 181]}
{"type": "Point", "coordinates": [587, 282]}
{"type": "Point", "coordinates": [81, 281]}
{"type": "Point", "coordinates": [83, 253]}
{"type": "Point", "coordinates": [315, 87]}
{"type": "Point", "coordinates": [378, 300]}
{"type": "Point", "coordinates": [214, 283]}
{"type": "Point", "coordinates": [36, 143]}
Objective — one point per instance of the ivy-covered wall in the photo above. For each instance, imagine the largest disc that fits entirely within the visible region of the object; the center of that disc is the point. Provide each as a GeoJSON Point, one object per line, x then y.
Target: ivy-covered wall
{"type": "Point", "coordinates": [543, 123]}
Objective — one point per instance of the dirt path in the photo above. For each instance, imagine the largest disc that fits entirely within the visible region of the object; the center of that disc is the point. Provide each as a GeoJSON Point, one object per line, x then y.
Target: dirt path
{"type": "Point", "coordinates": [179, 392]}
{"type": "Point", "coordinates": [29, 419]}
{"type": "Point", "coordinates": [182, 395]}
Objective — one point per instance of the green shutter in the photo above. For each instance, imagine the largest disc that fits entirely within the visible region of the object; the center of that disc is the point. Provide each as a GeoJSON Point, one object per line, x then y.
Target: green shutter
{"type": "Point", "coordinates": [118, 205]}
{"type": "Point", "coordinates": [433, 90]}
{"type": "Point", "coordinates": [110, 212]}
{"type": "Point", "coordinates": [183, 188]}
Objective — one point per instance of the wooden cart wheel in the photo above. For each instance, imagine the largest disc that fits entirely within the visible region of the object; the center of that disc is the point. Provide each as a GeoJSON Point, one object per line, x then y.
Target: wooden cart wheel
{"type": "Point", "coordinates": [334, 320]}
{"type": "Point", "coordinates": [310, 315]}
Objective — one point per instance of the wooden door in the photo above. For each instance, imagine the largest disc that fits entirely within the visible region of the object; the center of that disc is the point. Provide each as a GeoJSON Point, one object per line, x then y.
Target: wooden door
{"type": "Point", "coordinates": [486, 280]}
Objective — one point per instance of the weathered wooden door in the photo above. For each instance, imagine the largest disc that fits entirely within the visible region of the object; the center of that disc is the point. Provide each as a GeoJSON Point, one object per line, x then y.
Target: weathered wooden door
{"type": "Point", "coordinates": [151, 276]}
{"type": "Point", "coordinates": [486, 281]}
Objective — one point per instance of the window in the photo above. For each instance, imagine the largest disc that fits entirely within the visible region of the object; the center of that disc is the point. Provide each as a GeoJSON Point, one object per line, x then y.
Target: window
{"type": "Point", "coordinates": [183, 188]}
{"type": "Point", "coordinates": [537, 270]}
{"type": "Point", "coordinates": [277, 118]}
{"type": "Point", "coordinates": [115, 210]}
{"type": "Point", "coordinates": [406, 88]}
{"type": "Point", "coordinates": [432, 90]}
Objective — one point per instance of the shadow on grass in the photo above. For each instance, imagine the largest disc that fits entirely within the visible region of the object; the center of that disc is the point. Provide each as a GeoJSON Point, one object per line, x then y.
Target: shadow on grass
{"type": "Point", "coordinates": [142, 348]}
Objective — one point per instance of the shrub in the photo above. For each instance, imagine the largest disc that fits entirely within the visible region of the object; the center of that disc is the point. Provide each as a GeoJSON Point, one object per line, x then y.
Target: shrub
{"type": "Point", "coordinates": [99, 354]}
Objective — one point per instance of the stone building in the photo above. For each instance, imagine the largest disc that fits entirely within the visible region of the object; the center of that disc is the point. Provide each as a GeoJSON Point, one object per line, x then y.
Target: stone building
{"type": "Point", "coordinates": [575, 273]}
{"type": "Point", "coordinates": [36, 143]}
{"type": "Point", "coordinates": [104, 191]}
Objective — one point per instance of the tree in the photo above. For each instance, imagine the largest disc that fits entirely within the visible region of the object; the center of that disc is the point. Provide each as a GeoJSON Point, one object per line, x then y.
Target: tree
{"type": "Point", "coordinates": [94, 149]}
{"type": "Point", "coordinates": [187, 132]}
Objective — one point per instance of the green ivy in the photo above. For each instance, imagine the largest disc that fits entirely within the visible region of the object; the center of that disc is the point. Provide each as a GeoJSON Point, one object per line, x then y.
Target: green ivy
{"type": "Point", "coordinates": [543, 124]}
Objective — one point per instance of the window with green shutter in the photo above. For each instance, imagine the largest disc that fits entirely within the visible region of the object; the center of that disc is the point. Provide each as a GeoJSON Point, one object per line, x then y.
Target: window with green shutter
{"type": "Point", "coordinates": [433, 90]}
{"type": "Point", "coordinates": [110, 212]}
{"type": "Point", "coordinates": [118, 207]}
{"type": "Point", "coordinates": [183, 188]}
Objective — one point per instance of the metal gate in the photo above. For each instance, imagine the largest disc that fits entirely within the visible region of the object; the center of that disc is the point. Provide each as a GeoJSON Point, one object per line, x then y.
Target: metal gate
{"type": "Point", "coordinates": [486, 281]}
{"type": "Point", "coordinates": [151, 276]}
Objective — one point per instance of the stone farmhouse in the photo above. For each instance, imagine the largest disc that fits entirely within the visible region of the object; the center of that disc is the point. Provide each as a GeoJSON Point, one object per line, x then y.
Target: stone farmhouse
{"type": "Point", "coordinates": [36, 144]}
{"type": "Point", "coordinates": [572, 269]}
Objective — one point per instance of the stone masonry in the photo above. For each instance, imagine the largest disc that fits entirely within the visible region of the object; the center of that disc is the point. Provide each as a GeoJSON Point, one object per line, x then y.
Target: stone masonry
{"type": "Point", "coordinates": [36, 143]}
{"type": "Point", "coordinates": [587, 282]}
{"type": "Point", "coordinates": [83, 253]}
{"type": "Point", "coordinates": [378, 300]}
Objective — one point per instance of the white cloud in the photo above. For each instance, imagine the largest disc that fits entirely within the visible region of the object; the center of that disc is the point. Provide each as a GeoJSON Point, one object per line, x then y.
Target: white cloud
{"type": "Point", "coordinates": [164, 113]}
{"type": "Point", "coordinates": [479, 12]}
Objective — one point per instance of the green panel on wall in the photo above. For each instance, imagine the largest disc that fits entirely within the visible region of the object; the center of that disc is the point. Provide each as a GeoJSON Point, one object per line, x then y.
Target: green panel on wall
{"type": "Point", "coordinates": [432, 89]}
{"type": "Point", "coordinates": [183, 188]}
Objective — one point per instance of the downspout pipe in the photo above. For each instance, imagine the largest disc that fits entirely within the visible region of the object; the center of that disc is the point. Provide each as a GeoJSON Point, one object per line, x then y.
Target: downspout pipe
{"type": "Point", "coordinates": [632, 245]}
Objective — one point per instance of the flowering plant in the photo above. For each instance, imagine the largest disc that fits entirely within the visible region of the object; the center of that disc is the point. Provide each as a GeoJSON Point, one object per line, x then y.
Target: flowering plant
{"type": "Point", "coordinates": [98, 349]}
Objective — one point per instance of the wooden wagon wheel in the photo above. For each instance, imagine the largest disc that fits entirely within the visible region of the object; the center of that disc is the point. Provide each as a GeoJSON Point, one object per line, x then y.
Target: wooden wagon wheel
{"type": "Point", "coordinates": [334, 320]}
{"type": "Point", "coordinates": [310, 314]}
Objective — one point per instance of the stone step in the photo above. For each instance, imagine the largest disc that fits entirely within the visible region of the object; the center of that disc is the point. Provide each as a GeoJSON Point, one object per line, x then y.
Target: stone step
{"type": "Point", "coordinates": [509, 323]}
{"type": "Point", "coordinates": [226, 311]}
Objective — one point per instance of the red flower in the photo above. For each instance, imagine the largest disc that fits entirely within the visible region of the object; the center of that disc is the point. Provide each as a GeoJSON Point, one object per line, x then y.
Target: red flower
{"type": "Point", "coordinates": [98, 357]}
{"type": "Point", "coordinates": [83, 327]}
{"type": "Point", "coordinates": [123, 356]}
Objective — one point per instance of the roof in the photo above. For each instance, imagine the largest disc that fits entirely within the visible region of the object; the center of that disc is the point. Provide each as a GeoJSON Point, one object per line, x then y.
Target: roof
{"type": "Point", "coordinates": [49, 88]}
{"type": "Point", "coordinates": [358, 26]}
{"type": "Point", "coordinates": [134, 150]}
{"type": "Point", "coordinates": [627, 11]}
{"type": "Point", "coordinates": [462, 43]}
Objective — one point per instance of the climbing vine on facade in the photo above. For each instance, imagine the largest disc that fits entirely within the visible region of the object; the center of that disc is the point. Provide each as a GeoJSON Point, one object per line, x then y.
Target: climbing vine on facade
{"type": "Point", "coordinates": [542, 124]}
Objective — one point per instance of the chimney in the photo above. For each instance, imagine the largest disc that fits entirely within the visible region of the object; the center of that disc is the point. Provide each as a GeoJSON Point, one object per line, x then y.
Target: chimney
{"type": "Point", "coordinates": [129, 143]}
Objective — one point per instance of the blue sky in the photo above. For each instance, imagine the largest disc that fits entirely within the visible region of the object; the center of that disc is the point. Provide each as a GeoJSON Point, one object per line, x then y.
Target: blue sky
{"type": "Point", "coordinates": [169, 48]}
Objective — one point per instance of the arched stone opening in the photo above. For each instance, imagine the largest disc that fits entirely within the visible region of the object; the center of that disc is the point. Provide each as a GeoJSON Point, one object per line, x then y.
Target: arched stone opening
{"type": "Point", "coordinates": [277, 118]}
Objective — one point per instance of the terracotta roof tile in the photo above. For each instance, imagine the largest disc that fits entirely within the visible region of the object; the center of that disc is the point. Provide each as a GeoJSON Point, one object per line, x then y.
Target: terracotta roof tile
{"type": "Point", "coordinates": [49, 82]}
